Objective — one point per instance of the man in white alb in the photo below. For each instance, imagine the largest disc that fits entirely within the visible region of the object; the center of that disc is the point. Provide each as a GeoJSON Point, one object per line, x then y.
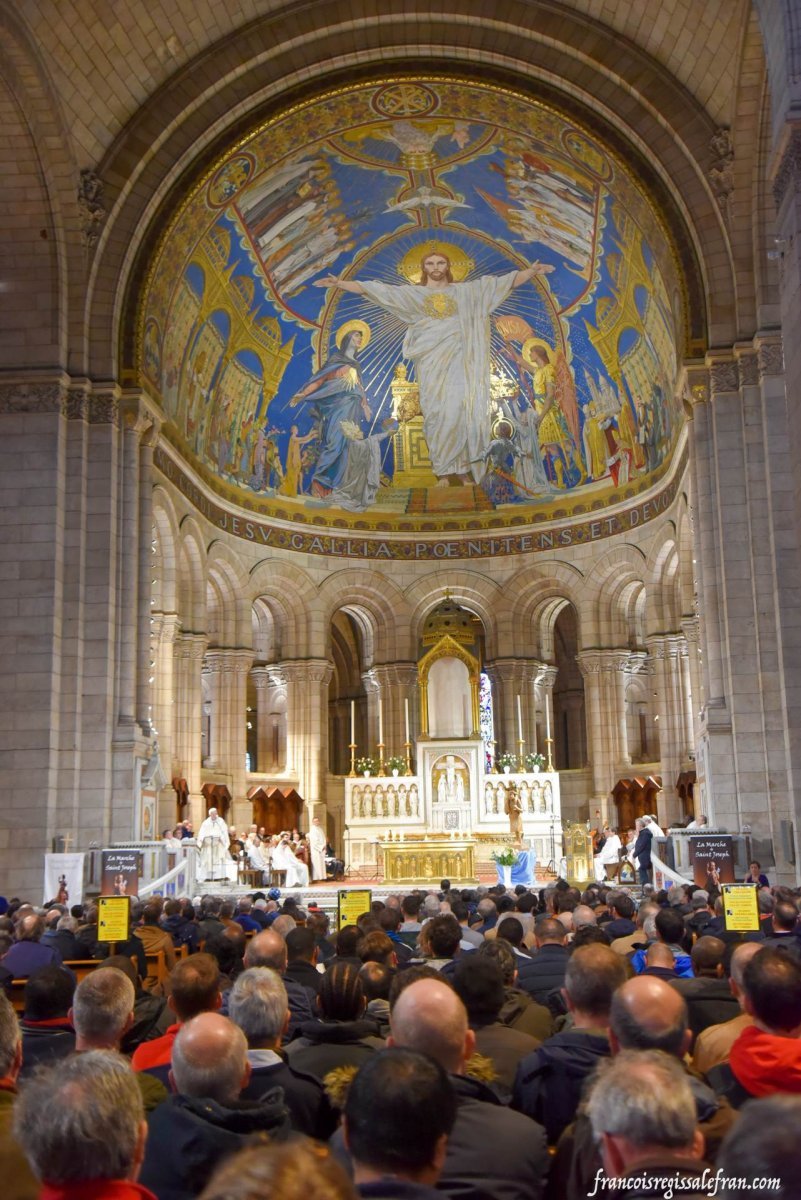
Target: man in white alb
{"type": "Point", "coordinates": [448, 340]}
{"type": "Point", "coordinates": [213, 842]}
{"type": "Point", "coordinates": [317, 841]}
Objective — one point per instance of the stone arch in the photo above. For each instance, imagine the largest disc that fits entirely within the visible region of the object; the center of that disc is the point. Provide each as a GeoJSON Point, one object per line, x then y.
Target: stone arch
{"type": "Point", "coordinates": [165, 525]}
{"type": "Point", "coordinates": [482, 596]}
{"type": "Point", "coordinates": [605, 623]}
{"type": "Point", "coordinates": [191, 581]}
{"type": "Point", "coordinates": [665, 126]}
{"type": "Point", "coordinates": [292, 599]}
{"type": "Point", "coordinates": [529, 598]}
{"type": "Point", "coordinates": [663, 614]}
{"type": "Point", "coordinates": [229, 609]}
{"type": "Point", "coordinates": [377, 604]}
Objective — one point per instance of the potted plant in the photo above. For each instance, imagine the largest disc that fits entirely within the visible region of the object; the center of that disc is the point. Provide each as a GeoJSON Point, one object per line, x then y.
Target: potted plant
{"type": "Point", "coordinates": [395, 764]}
{"type": "Point", "coordinates": [367, 766]}
{"type": "Point", "coordinates": [534, 762]}
{"type": "Point", "coordinates": [505, 859]}
{"type": "Point", "coordinates": [507, 762]}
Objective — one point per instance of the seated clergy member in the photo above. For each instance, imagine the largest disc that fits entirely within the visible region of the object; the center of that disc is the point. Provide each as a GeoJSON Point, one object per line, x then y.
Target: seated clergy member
{"type": "Point", "coordinates": [642, 1112]}
{"type": "Point", "coordinates": [491, 1150]}
{"type": "Point", "coordinates": [398, 1115]}
{"type": "Point", "coordinates": [259, 1006]}
{"type": "Point", "coordinates": [92, 1142]}
{"type": "Point", "coordinates": [204, 1120]}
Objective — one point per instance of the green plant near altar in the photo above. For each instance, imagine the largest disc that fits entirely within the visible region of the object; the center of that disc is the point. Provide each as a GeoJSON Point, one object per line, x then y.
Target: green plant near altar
{"type": "Point", "coordinates": [395, 763]}
{"type": "Point", "coordinates": [534, 762]}
{"type": "Point", "coordinates": [505, 858]}
{"type": "Point", "coordinates": [367, 765]}
{"type": "Point", "coordinates": [507, 760]}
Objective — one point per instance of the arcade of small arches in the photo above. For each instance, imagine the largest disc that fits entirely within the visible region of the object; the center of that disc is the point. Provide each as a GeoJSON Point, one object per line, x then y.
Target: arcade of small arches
{"type": "Point", "coordinates": [259, 669]}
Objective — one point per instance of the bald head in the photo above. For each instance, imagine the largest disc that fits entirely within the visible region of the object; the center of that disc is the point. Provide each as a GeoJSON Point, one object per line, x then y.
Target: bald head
{"type": "Point", "coordinates": [660, 955]}
{"type": "Point", "coordinates": [267, 949]}
{"type": "Point", "coordinates": [648, 1014]}
{"type": "Point", "coordinates": [583, 915]}
{"type": "Point", "coordinates": [429, 1017]}
{"type": "Point", "coordinates": [210, 1059]}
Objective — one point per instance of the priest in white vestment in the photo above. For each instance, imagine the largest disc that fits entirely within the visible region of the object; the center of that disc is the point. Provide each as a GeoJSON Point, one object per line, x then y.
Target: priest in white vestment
{"type": "Point", "coordinates": [609, 855]}
{"type": "Point", "coordinates": [448, 340]}
{"type": "Point", "coordinates": [284, 859]}
{"type": "Point", "coordinates": [213, 842]}
{"type": "Point", "coordinates": [317, 843]}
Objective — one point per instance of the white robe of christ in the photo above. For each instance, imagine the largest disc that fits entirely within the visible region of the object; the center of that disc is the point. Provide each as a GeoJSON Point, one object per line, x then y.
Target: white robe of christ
{"type": "Point", "coordinates": [448, 340]}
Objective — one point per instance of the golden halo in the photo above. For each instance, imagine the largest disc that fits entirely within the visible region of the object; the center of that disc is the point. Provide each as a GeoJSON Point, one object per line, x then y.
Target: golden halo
{"type": "Point", "coordinates": [352, 327]}
{"type": "Point", "coordinates": [533, 343]}
{"type": "Point", "coordinates": [460, 260]}
{"type": "Point", "coordinates": [497, 425]}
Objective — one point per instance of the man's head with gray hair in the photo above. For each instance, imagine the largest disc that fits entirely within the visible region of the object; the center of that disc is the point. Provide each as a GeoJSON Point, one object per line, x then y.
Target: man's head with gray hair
{"type": "Point", "coordinates": [102, 1009]}
{"type": "Point", "coordinates": [763, 1144]}
{"type": "Point", "coordinates": [258, 1005]}
{"type": "Point", "coordinates": [210, 1059]}
{"type": "Point", "coordinates": [641, 1105]}
{"type": "Point", "coordinates": [583, 915]}
{"type": "Point", "coordinates": [82, 1120]}
{"type": "Point", "coordinates": [283, 925]}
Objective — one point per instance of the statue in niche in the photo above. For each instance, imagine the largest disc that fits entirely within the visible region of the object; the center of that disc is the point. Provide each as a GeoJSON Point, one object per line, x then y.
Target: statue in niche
{"type": "Point", "coordinates": [459, 789]}
{"type": "Point", "coordinates": [380, 807]}
{"type": "Point", "coordinates": [358, 803]}
{"type": "Point", "coordinates": [414, 800]}
{"type": "Point", "coordinates": [525, 796]}
{"type": "Point", "coordinates": [547, 798]}
{"type": "Point", "coordinates": [368, 802]}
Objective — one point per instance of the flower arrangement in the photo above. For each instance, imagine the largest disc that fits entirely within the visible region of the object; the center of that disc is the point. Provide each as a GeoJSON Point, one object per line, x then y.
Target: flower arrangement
{"type": "Point", "coordinates": [395, 763]}
{"type": "Point", "coordinates": [367, 765]}
{"type": "Point", "coordinates": [534, 762]}
{"type": "Point", "coordinates": [506, 858]}
{"type": "Point", "coordinates": [507, 760]}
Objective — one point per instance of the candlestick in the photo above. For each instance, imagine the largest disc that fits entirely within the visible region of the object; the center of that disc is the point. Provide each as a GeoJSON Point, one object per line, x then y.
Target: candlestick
{"type": "Point", "coordinates": [549, 763]}
{"type": "Point", "coordinates": [406, 712]}
{"type": "Point", "coordinates": [380, 720]}
{"type": "Point", "coordinates": [381, 767]}
{"type": "Point", "coordinates": [352, 748]}
{"type": "Point", "coordinates": [519, 720]}
{"type": "Point", "coordinates": [407, 746]}
{"type": "Point", "coordinates": [353, 720]}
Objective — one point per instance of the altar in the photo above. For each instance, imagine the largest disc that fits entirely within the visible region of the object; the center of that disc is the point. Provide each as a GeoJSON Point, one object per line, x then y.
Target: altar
{"type": "Point", "coordinates": [418, 861]}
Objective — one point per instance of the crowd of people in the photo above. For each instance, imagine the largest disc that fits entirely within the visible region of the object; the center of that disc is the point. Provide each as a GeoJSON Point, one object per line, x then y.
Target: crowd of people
{"type": "Point", "coordinates": [480, 1043]}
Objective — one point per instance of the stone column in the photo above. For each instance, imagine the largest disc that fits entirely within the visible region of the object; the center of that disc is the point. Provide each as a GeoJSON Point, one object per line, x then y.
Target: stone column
{"type": "Point", "coordinates": [135, 421]}
{"type": "Point", "coordinates": [144, 669]}
{"type": "Point", "coordinates": [397, 682]}
{"type": "Point", "coordinates": [666, 655]}
{"type": "Point", "coordinates": [604, 681]}
{"type": "Point", "coordinates": [164, 629]}
{"type": "Point", "coordinates": [372, 688]}
{"type": "Point", "coordinates": [307, 719]}
{"type": "Point", "coordinates": [190, 649]}
{"type": "Point", "coordinates": [271, 686]}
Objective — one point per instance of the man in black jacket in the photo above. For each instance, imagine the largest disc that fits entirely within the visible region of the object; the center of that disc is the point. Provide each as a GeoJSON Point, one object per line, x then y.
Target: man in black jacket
{"type": "Point", "coordinates": [642, 851]}
{"type": "Point", "coordinates": [549, 1081]}
{"type": "Point", "coordinates": [258, 1005]}
{"type": "Point", "coordinates": [546, 971]}
{"type": "Point", "coordinates": [205, 1121]}
{"type": "Point", "coordinates": [491, 1150]}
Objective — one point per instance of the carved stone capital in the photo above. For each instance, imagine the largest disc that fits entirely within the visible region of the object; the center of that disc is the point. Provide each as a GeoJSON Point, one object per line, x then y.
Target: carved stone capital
{"type": "Point", "coordinates": [546, 677]}
{"type": "Point", "coordinates": [747, 369]}
{"type": "Point", "coordinates": [91, 209]}
{"type": "Point", "coordinates": [770, 356]}
{"type": "Point", "coordinates": [724, 377]}
{"type": "Point", "coordinates": [76, 407]}
{"type": "Point", "coordinates": [35, 397]}
{"type": "Point", "coordinates": [104, 409]}
{"type": "Point", "coordinates": [190, 646]}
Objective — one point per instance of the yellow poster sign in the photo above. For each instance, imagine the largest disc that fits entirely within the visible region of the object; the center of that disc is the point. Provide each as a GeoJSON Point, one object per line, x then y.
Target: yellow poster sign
{"type": "Point", "coordinates": [351, 904]}
{"type": "Point", "coordinates": [113, 918]}
{"type": "Point", "coordinates": [740, 908]}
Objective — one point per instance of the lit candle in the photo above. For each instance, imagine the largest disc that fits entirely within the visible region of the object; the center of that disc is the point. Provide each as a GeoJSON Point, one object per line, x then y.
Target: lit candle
{"type": "Point", "coordinates": [380, 721]}
{"type": "Point", "coordinates": [406, 710]}
{"type": "Point", "coordinates": [353, 722]}
{"type": "Point", "coordinates": [519, 720]}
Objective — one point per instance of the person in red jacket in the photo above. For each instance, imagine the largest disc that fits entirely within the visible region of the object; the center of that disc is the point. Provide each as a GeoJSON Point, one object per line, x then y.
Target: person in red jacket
{"type": "Point", "coordinates": [92, 1144]}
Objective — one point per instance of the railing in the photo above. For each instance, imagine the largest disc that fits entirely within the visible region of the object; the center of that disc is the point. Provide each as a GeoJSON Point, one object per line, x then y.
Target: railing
{"type": "Point", "coordinates": [666, 871]}
{"type": "Point", "coordinates": [178, 881]}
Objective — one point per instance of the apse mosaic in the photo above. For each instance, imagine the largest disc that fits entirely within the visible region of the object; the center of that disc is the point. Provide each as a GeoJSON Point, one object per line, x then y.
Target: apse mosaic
{"type": "Point", "coordinates": [412, 300]}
